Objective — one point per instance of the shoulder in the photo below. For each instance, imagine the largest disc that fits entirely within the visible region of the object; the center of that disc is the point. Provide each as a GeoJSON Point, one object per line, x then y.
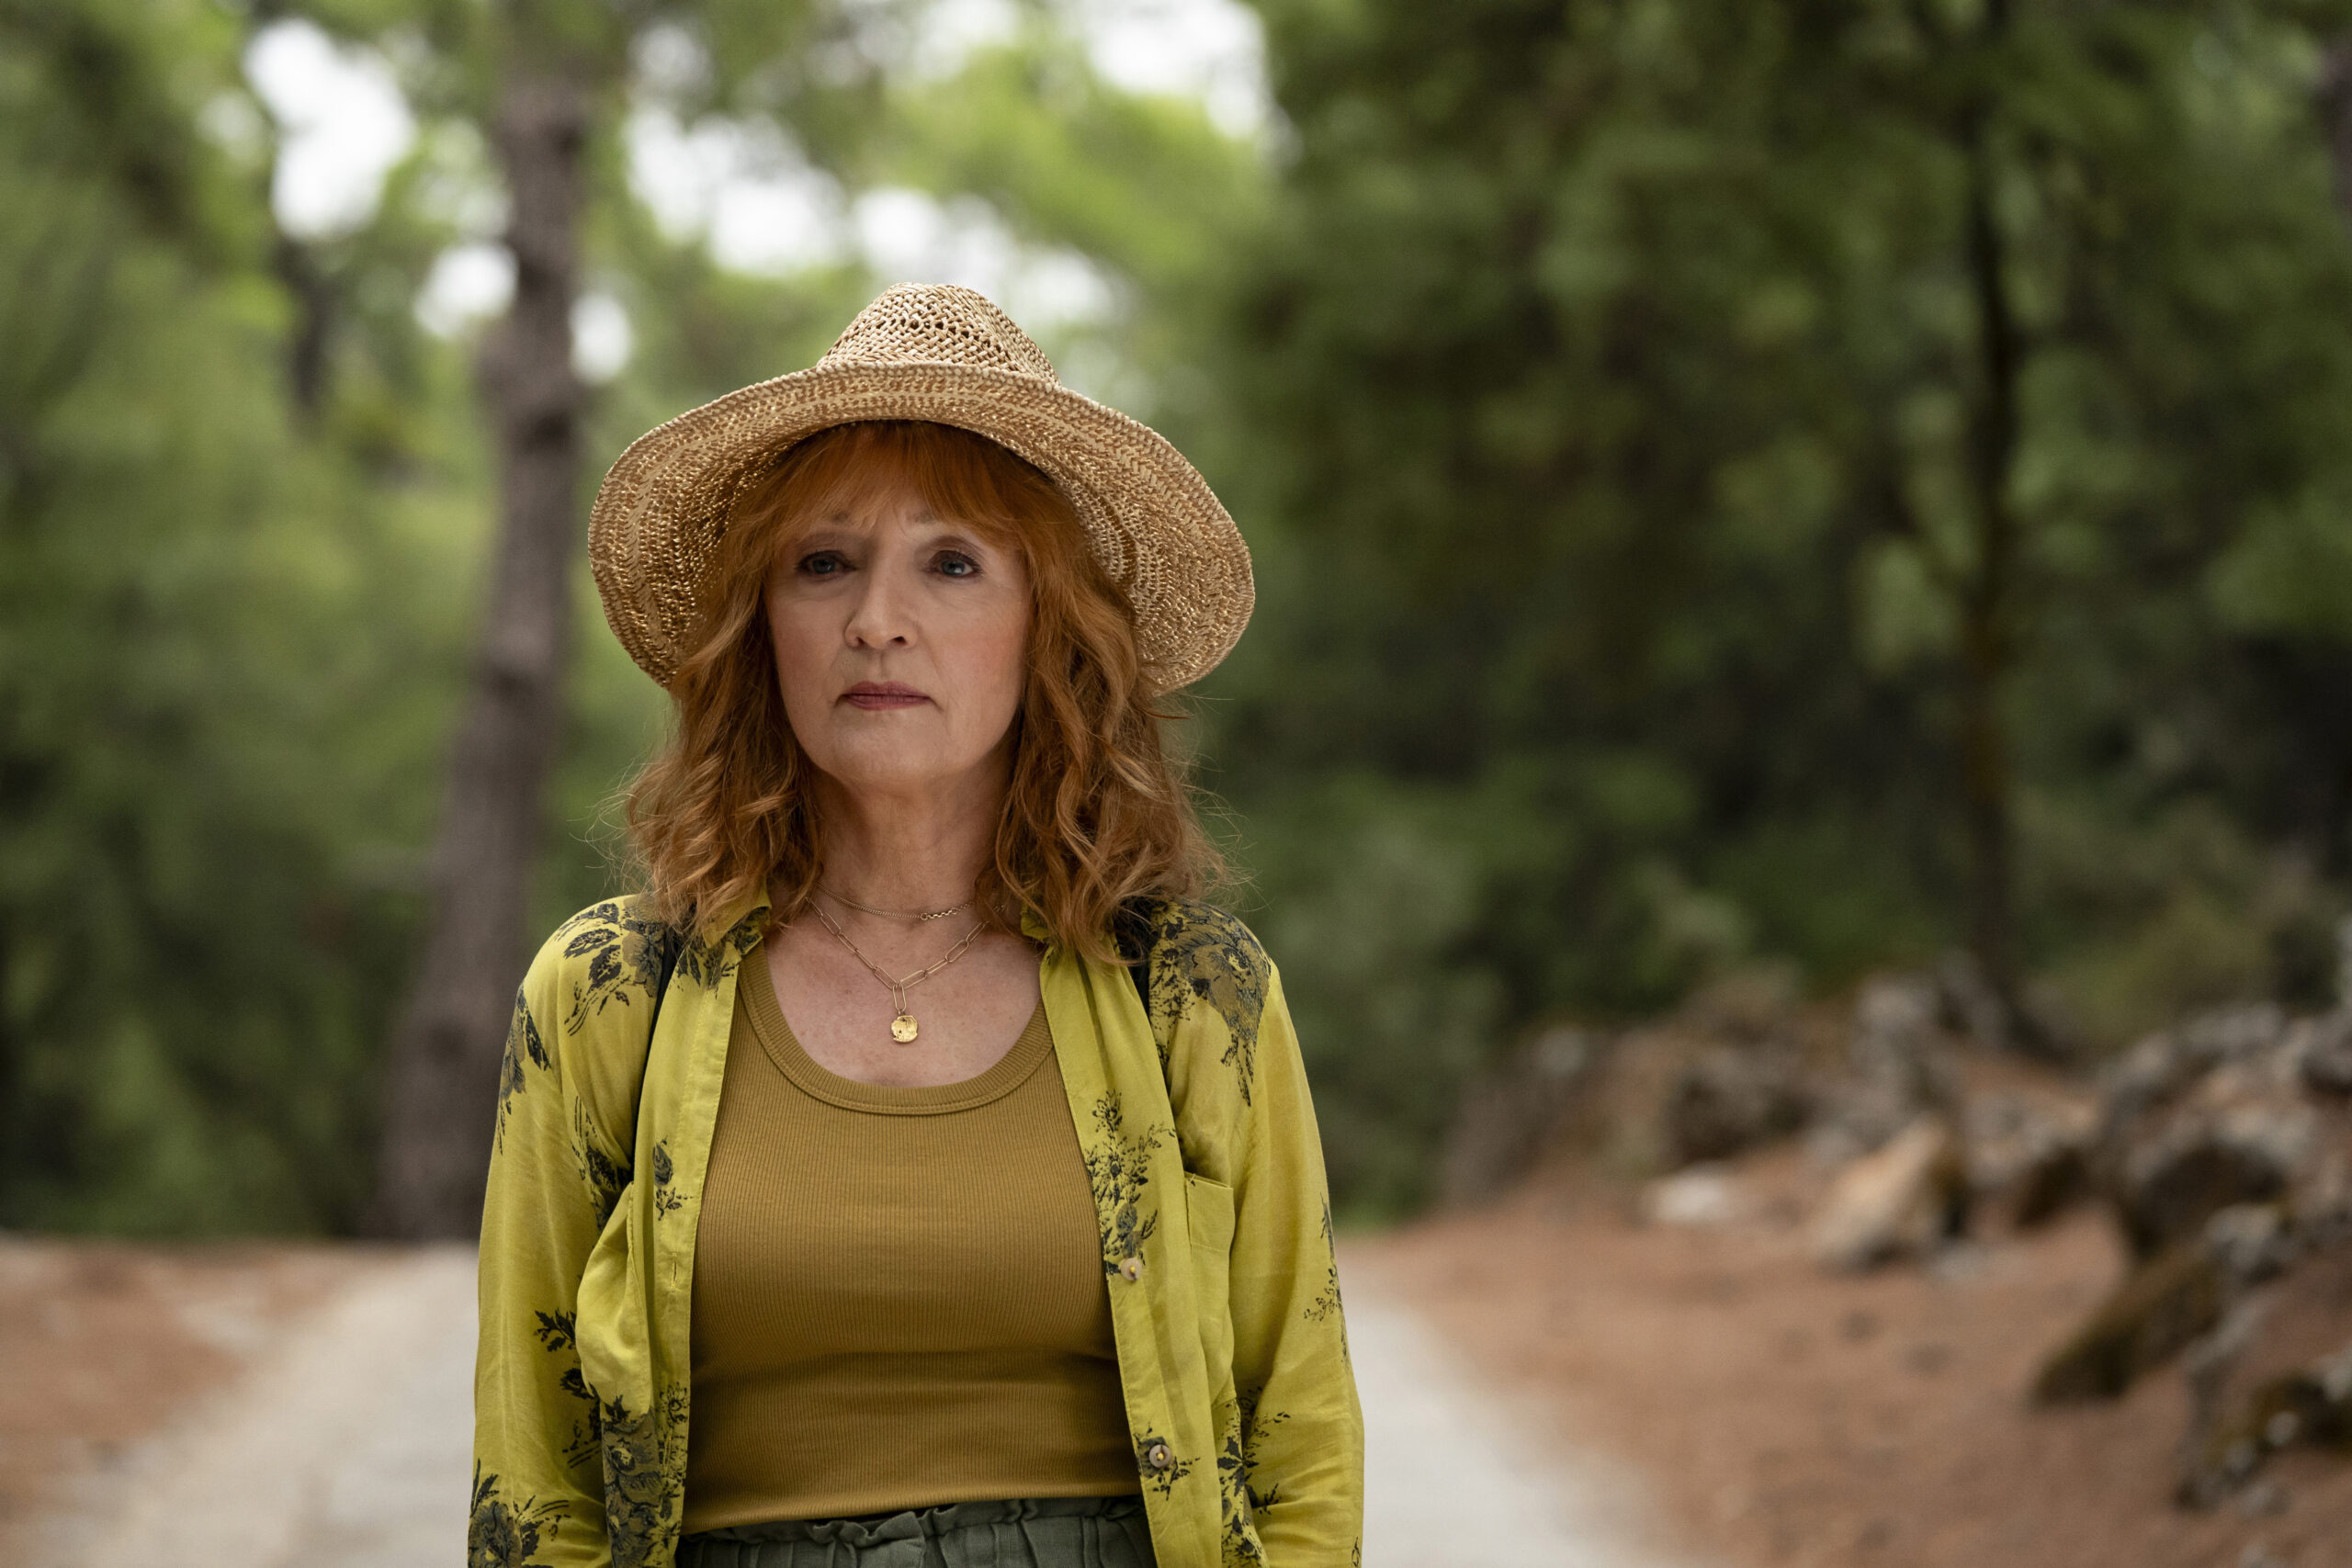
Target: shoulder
{"type": "Point", "coordinates": [1188, 930]}
{"type": "Point", "coordinates": [618, 953]}
{"type": "Point", "coordinates": [596, 974]}
{"type": "Point", "coordinates": [1199, 961]}
{"type": "Point", "coordinates": [590, 999]}
{"type": "Point", "coordinates": [613, 943]}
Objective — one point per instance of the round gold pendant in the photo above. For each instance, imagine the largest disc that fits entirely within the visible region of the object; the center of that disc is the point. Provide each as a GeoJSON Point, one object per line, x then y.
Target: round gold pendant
{"type": "Point", "coordinates": [902, 1028]}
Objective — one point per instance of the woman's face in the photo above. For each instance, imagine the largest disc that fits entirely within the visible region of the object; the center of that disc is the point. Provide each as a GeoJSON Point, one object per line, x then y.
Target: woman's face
{"type": "Point", "coordinates": [900, 640]}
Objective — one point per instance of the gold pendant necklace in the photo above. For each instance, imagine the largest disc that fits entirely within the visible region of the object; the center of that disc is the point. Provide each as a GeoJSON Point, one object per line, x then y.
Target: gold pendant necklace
{"type": "Point", "coordinates": [903, 1027]}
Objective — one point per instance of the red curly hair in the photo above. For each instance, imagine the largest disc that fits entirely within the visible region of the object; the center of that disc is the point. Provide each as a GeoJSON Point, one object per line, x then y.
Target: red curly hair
{"type": "Point", "coordinates": [1096, 811]}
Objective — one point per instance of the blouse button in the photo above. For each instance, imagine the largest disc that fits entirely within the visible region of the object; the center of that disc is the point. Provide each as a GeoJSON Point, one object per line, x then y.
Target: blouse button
{"type": "Point", "coordinates": [1159, 1457]}
{"type": "Point", "coordinates": [1131, 1269]}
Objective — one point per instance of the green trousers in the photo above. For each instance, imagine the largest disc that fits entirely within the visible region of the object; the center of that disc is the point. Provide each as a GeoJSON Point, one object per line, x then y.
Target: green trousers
{"type": "Point", "coordinates": [1040, 1532]}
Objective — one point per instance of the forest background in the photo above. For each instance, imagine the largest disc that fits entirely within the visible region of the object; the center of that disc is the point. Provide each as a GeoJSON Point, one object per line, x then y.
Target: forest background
{"type": "Point", "coordinates": [1788, 485]}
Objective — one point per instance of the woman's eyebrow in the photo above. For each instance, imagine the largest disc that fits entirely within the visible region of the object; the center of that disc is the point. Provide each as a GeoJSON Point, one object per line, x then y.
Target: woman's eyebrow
{"type": "Point", "coordinates": [823, 533]}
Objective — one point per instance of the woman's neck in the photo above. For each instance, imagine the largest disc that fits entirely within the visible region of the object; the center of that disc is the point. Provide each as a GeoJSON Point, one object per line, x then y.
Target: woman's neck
{"type": "Point", "coordinates": [917, 849]}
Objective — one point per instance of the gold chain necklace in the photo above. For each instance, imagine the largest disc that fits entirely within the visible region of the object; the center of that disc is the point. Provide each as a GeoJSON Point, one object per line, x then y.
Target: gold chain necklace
{"type": "Point", "coordinates": [902, 1027]}
{"type": "Point", "coordinates": [892, 914]}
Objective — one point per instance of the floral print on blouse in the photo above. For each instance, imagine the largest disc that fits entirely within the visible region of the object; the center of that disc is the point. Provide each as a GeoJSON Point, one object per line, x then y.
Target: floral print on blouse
{"type": "Point", "coordinates": [1192, 1110]}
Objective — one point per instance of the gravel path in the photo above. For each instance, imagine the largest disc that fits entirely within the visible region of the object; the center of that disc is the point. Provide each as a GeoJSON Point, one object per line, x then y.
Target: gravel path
{"type": "Point", "coordinates": [1457, 1475]}
{"type": "Point", "coordinates": [347, 1447]}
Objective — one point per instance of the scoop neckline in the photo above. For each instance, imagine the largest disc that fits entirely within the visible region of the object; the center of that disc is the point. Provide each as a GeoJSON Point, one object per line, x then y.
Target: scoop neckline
{"type": "Point", "coordinates": [782, 1048]}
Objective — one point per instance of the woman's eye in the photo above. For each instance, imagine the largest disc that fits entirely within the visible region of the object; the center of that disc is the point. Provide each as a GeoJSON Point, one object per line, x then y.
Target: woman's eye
{"type": "Point", "coordinates": [824, 563]}
{"type": "Point", "coordinates": [955, 565]}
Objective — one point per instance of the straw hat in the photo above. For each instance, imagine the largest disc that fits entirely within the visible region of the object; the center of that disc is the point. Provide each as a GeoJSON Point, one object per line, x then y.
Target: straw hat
{"type": "Point", "coordinates": [937, 353]}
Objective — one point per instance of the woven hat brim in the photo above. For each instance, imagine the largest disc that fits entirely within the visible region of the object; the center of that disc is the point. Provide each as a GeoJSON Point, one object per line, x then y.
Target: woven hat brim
{"type": "Point", "coordinates": [1158, 531]}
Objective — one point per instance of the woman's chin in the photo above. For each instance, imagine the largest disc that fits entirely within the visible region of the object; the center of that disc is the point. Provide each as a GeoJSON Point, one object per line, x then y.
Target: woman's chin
{"type": "Point", "coordinates": [896, 769]}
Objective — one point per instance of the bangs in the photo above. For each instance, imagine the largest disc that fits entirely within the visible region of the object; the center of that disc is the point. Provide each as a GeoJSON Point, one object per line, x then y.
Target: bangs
{"type": "Point", "coordinates": [962, 477]}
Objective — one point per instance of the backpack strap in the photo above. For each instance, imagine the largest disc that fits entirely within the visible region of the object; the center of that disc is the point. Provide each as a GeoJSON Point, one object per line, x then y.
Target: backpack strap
{"type": "Point", "coordinates": [671, 948]}
{"type": "Point", "coordinates": [1132, 932]}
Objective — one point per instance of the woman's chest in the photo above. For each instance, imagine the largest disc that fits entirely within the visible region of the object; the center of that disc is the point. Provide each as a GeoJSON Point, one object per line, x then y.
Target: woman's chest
{"type": "Point", "coordinates": [957, 1022]}
{"type": "Point", "coordinates": [845, 1219]}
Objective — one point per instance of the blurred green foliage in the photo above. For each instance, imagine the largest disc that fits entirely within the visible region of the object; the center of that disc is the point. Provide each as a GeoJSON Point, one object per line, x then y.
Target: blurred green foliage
{"type": "Point", "coordinates": [225, 651]}
{"type": "Point", "coordinates": [1589, 378]}
{"type": "Point", "coordinates": [1606, 367]}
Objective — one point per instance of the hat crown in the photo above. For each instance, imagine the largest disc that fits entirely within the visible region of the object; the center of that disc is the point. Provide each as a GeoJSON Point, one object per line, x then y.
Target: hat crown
{"type": "Point", "coordinates": [937, 323]}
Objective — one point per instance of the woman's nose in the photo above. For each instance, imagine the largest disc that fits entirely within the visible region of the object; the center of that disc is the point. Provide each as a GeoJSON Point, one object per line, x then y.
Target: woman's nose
{"type": "Point", "coordinates": [881, 617]}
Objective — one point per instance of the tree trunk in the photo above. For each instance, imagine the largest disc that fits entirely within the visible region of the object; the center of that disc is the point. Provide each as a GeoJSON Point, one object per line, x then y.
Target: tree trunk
{"type": "Point", "coordinates": [1987, 599]}
{"type": "Point", "coordinates": [15, 1126]}
{"type": "Point", "coordinates": [1985, 608]}
{"type": "Point", "coordinates": [306, 350]}
{"type": "Point", "coordinates": [442, 1075]}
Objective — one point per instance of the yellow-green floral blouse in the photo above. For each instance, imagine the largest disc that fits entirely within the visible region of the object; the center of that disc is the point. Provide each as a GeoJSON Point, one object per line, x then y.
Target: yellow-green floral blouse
{"type": "Point", "coordinates": [1193, 1114]}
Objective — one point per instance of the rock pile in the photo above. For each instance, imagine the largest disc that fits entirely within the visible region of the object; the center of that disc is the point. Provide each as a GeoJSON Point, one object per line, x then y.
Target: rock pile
{"type": "Point", "coordinates": [2035, 1154]}
{"type": "Point", "coordinates": [1875, 1092]}
{"type": "Point", "coordinates": [1730, 1099]}
{"type": "Point", "coordinates": [1506, 1119]}
{"type": "Point", "coordinates": [2311, 1404]}
{"type": "Point", "coordinates": [2223, 1150]}
{"type": "Point", "coordinates": [1903, 1200]}
{"type": "Point", "coordinates": [1724, 1075]}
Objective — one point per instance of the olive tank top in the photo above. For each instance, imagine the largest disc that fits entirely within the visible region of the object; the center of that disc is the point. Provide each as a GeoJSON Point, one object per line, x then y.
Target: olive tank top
{"type": "Point", "coordinates": [898, 1297]}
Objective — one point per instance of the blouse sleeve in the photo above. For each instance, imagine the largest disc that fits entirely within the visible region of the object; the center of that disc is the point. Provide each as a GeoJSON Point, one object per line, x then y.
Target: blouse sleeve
{"type": "Point", "coordinates": [1302, 1451]}
{"type": "Point", "coordinates": [555, 1178]}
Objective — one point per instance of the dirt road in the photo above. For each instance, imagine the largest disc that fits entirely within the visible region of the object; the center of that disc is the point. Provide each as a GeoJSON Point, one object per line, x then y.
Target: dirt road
{"type": "Point", "coordinates": [344, 1444]}
{"type": "Point", "coordinates": [1459, 1474]}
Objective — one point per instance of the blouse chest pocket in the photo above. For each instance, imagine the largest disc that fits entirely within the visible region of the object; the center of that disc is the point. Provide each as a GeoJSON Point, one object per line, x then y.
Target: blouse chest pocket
{"type": "Point", "coordinates": [1208, 1214]}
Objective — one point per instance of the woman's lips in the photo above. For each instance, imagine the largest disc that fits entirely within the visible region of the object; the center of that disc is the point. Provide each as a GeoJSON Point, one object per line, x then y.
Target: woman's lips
{"type": "Point", "coordinates": [875, 695]}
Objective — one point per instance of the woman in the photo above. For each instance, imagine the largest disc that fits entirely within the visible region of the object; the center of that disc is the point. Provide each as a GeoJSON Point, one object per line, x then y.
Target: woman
{"type": "Point", "coordinates": [913, 1174]}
